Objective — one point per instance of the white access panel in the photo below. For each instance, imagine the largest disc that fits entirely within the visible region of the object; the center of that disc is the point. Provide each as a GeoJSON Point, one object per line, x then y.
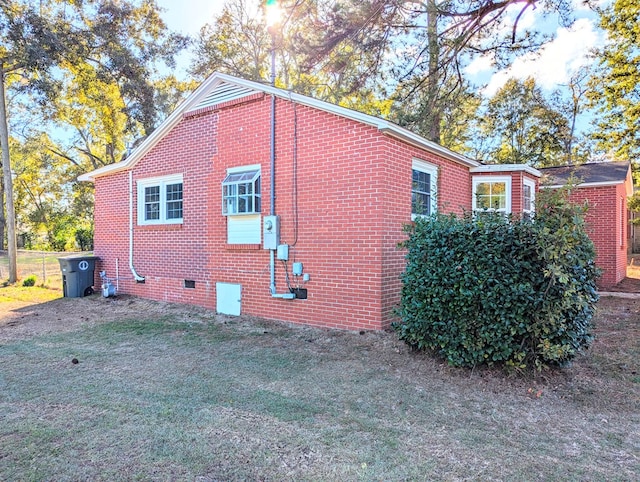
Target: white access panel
{"type": "Point", "coordinates": [228, 298]}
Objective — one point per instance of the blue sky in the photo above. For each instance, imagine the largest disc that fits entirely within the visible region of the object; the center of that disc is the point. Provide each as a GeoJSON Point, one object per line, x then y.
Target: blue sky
{"type": "Point", "coordinates": [188, 16]}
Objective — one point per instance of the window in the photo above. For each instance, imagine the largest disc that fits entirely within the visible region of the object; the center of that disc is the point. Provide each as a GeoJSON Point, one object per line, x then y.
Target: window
{"type": "Point", "coordinates": [492, 193]}
{"type": "Point", "coordinates": [241, 192]}
{"type": "Point", "coordinates": [424, 178]}
{"type": "Point", "coordinates": [528, 198]}
{"type": "Point", "coordinates": [623, 219]}
{"type": "Point", "coordinates": [241, 204]}
{"type": "Point", "coordinates": [160, 200]}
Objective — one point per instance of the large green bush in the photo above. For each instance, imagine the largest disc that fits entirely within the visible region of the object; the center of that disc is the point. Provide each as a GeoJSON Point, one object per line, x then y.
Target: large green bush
{"type": "Point", "coordinates": [490, 289]}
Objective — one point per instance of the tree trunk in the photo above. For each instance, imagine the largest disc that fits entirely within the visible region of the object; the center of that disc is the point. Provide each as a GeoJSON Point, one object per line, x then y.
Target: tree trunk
{"type": "Point", "coordinates": [10, 218]}
{"type": "Point", "coordinates": [435, 113]}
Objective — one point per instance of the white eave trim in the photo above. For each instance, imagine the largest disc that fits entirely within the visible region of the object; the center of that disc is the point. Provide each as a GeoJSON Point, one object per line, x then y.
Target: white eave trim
{"type": "Point", "coordinates": [584, 184]}
{"type": "Point", "coordinates": [489, 168]}
{"type": "Point", "coordinates": [202, 92]}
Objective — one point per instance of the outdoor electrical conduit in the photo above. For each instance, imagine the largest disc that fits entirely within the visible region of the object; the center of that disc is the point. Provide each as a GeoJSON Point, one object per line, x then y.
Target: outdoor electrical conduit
{"type": "Point", "coordinates": [272, 159]}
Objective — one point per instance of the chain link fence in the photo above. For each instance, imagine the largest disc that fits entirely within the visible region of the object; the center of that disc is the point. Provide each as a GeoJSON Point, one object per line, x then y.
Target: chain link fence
{"type": "Point", "coordinates": [43, 265]}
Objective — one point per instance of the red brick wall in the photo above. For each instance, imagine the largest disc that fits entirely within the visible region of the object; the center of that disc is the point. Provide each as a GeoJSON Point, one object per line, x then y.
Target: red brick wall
{"type": "Point", "coordinates": [607, 227]}
{"type": "Point", "coordinates": [354, 196]}
{"type": "Point", "coordinates": [164, 255]}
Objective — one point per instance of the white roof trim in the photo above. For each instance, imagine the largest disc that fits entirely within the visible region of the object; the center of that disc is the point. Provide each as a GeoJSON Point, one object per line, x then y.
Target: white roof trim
{"type": "Point", "coordinates": [239, 88]}
{"type": "Point", "coordinates": [585, 184]}
{"type": "Point", "coordinates": [487, 168]}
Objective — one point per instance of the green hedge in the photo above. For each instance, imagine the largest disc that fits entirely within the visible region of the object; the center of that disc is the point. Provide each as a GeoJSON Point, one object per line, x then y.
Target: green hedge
{"type": "Point", "coordinates": [487, 289]}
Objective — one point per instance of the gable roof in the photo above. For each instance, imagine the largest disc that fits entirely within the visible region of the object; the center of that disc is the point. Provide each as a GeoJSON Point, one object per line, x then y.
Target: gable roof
{"type": "Point", "coordinates": [221, 88]}
{"type": "Point", "coordinates": [596, 174]}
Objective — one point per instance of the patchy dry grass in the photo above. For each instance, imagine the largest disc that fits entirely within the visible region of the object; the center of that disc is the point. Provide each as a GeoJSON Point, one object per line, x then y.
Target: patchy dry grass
{"type": "Point", "coordinates": [30, 295]}
{"type": "Point", "coordinates": [164, 392]}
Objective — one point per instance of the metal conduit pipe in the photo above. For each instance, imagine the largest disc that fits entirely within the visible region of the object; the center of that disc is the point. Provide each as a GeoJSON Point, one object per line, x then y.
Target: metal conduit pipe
{"type": "Point", "coordinates": [272, 193]}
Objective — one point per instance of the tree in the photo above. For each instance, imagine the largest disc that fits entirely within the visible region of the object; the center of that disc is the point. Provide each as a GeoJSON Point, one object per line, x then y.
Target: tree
{"type": "Point", "coordinates": [572, 109]}
{"type": "Point", "coordinates": [615, 86]}
{"type": "Point", "coordinates": [527, 130]}
{"type": "Point", "coordinates": [49, 207]}
{"type": "Point", "coordinates": [425, 44]}
{"type": "Point", "coordinates": [30, 43]}
{"type": "Point", "coordinates": [87, 64]}
{"type": "Point", "coordinates": [457, 112]}
{"type": "Point", "coordinates": [238, 43]}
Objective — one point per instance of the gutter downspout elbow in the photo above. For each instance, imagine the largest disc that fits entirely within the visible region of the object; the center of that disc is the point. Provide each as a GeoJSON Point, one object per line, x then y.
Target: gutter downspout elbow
{"type": "Point", "coordinates": [137, 277]}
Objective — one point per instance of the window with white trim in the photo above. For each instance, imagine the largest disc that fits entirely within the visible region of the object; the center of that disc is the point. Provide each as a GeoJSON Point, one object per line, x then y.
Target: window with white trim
{"type": "Point", "coordinates": [241, 192]}
{"type": "Point", "coordinates": [528, 198]}
{"type": "Point", "coordinates": [424, 182]}
{"type": "Point", "coordinates": [241, 204]}
{"type": "Point", "coordinates": [492, 193]}
{"type": "Point", "coordinates": [160, 200]}
{"type": "Point", "coordinates": [623, 221]}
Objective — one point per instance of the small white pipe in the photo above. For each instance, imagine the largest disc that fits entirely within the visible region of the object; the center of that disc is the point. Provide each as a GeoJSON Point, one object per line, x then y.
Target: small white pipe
{"type": "Point", "coordinates": [272, 272]}
{"type": "Point", "coordinates": [117, 275]}
{"type": "Point", "coordinates": [133, 270]}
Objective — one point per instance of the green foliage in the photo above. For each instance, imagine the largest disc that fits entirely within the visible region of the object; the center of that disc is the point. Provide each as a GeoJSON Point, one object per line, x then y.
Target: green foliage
{"type": "Point", "coordinates": [238, 42]}
{"type": "Point", "coordinates": [525, 128]}
{"type": "Point", "coordinates": [29, 281]}
{"type": "Point", "coordinates": [634, 206]}
{"type": "Point", "coordinates": [84, 239]}
{"type": "Point", "coordinates": [495, 290]}
{"type": "Point", "coordinates": [615, 86]}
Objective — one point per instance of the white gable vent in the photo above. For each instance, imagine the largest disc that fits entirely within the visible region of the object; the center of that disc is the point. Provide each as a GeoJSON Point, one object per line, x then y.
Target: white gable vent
{"type": "Point", "coordinates": [224, 92]}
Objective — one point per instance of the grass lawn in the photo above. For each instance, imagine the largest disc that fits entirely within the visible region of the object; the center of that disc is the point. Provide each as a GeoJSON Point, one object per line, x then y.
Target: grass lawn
{"type": "Point", "coordinates": [167, 392]}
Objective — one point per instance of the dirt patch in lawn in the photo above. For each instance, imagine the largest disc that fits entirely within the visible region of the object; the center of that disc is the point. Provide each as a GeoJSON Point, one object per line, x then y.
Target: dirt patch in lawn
{"type": "Point", "coordinates": [21, 317]}
{"type": "Point", "coordinates": [167, 391]}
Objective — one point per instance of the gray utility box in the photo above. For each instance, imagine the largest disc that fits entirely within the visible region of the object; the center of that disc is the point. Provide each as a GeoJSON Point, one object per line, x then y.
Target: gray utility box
{"type": "Point", "coordinates": [78, 275]}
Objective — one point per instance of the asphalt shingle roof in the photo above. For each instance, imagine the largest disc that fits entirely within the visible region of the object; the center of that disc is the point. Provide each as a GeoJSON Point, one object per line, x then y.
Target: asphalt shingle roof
{"type": "Point", "coordinates": [592, 173]}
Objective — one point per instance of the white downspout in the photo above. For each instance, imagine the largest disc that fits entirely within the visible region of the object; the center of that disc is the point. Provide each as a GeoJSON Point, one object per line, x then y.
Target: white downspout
{"type": "Point", "coordinates": [137, 277]}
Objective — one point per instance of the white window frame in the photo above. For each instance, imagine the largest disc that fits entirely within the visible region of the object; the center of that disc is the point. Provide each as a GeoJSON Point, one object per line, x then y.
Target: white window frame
{"type": "Point", "coordinates": [491, 179]}
{"type": "Point", "coordinates": [256, 197]}
{"type": "Point", "coordinates": [432, 170]}
{"type": "Point", "coordinates": [532, 208]}
{"type": "Point", "coordinates": [243, 228]}
{"type": "Point", "coordinates": [623, 222]}
{"type": "Point", "coordinates": [161, 182]}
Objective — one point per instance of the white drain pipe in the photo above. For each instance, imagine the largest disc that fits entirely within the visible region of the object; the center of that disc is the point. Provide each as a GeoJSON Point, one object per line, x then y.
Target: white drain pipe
{"type": "Point", "coordinates": [138, 278]}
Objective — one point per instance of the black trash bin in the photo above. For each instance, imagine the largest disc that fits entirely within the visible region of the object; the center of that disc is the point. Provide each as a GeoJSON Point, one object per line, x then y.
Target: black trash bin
{"type": "Point", "coordinates": [78, 274]}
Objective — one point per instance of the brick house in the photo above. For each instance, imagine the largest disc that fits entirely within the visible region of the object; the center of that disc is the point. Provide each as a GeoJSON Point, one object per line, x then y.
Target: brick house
{"type": "Point", "coordinates": [606, 187]}
{"type": "Point", "coordinates": [252, 199]}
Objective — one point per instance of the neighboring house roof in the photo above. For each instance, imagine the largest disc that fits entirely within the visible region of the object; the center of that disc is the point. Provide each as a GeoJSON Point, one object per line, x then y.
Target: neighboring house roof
{"type": "Point", "coordinates": [597, 174]}
{"type": "Point", "coordinates": [221, 88]}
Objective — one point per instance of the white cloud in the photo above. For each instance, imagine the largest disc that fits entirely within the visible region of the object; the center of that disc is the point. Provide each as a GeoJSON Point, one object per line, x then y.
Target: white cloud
{"type": "Point", "coordinates": [482, 63]}
{"type": "Point", "coordinates": [555, 62]}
